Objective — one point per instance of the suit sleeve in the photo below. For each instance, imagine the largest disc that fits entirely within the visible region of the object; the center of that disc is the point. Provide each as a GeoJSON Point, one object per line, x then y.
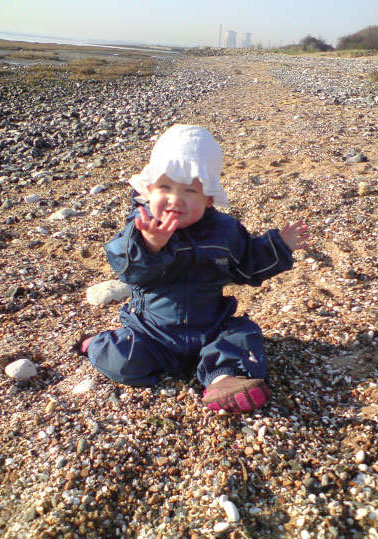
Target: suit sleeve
{"type": "Point", "coordinates": [259, 258]}
{"type": "Point", "coordinates": [132, 261]}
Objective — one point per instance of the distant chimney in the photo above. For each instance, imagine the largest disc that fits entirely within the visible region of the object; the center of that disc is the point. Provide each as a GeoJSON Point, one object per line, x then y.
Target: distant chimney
{"type": "Point", "coordinates": [220, 35]}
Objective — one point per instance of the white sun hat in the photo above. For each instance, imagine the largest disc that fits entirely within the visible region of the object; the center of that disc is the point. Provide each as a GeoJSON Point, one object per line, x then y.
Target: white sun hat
{"type": "Point", "coordinates": [185, 152]}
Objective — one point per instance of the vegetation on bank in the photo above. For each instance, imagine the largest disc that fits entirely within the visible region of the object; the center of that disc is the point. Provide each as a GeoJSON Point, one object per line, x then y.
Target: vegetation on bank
{"type": "Point", "coordinates": [362, 43]}
{"type": "Point", "coordinates": [54, 62]}
{"type": "Point", "coordinates": [366, 39]}
{"type": "Point", "coordinates": [85, 69]}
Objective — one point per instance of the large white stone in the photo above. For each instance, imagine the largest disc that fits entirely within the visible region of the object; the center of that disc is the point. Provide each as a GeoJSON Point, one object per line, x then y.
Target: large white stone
{"type": "Point", "coordinates": [21, 369]}
{"type": "Point", "coordinates": [84, 386]}
{"type": "Point", "coordinates": [104, 293]}
{"type": "Point", "coordinates": [62, 214]}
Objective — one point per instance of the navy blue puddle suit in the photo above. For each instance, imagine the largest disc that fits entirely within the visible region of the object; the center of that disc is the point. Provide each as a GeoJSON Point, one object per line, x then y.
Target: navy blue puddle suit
{"type": "Point", "coordinates": [177, 316]}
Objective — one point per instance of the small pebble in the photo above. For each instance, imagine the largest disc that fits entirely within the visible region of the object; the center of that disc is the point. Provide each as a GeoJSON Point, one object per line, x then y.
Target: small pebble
{"type": "Point", "coordinates": [361, 513]}
{"type": "Point", "coordinates": [42, 231]}
{"type": "Point", "coordinates": [95, 428]}
{"type": "Point", "coordinates": [81, 446]}
{"type": "Point", "coordinates": [360, 456]}
{"type": "Point", "coordinates": [61, 461]}
{"type": "Point", "coordinates": [161, 461]}
{"type": "Point", "coordinates": [31, 198]}
{"type": "Point", "coordinates": [51, 406]}
{"type": "Point", "coordinates": [168, 392]}
{"type": "Point", "coordinates": [363, 188]}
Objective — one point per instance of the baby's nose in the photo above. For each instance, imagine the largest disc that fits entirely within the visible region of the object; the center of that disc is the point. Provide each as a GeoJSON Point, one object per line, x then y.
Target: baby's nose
{"type": "Point", "coordinates": [176, 197]}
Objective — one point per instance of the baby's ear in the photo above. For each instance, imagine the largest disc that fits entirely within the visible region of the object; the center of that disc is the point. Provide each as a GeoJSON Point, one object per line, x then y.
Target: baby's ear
{"type": "Point", "coordinates": [210, 202]}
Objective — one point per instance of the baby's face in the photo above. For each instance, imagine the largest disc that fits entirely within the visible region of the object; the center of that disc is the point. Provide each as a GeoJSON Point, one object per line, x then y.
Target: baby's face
{"type": "Point", "coordinates": [186, 202]}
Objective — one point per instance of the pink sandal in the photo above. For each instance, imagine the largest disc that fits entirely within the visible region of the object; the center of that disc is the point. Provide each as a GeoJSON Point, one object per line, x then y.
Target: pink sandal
{"type": "Point", "coordinates": [236, 394]}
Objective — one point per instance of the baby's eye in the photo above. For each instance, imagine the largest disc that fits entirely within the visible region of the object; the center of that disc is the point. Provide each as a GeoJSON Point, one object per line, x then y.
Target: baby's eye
{"type": "Point", "coordinates": [164, 187]}
{"type": "Point", "coordinates": [190, 190]}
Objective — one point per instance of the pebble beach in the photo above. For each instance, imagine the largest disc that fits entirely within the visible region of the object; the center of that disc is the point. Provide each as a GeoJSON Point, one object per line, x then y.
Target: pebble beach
{"type": "Point", "coordinates": [83, 457]}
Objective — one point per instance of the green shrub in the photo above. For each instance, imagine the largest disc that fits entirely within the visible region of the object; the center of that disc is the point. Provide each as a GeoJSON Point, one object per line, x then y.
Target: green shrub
{"type": "Point", "coordinates": [313, 44]}
{"type": "Point", "coordinates": [364, 39]}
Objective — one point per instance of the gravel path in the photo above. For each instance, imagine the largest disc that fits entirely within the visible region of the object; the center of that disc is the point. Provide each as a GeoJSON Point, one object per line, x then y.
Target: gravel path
{"type": "Point", "coordinates": [83, 457]}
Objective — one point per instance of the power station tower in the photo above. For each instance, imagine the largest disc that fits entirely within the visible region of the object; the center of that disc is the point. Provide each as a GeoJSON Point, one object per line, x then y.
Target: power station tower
{"type": "Point", "coordinates": [246, 40]}
{"type": "Point", "coordinates": [231, 39]}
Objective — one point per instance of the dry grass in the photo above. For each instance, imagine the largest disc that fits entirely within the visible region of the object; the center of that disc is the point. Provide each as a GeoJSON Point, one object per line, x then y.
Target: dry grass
{"type": "Point", "coordinates": [100, 69]}
{"type": "Point", "coordinates": [352, 53]}
{"type": "Point", "coordinates": [373, 77]}
{"type": "Point", "coordinates": [34, 73]}
{"type": "Point", "coordinates": [35, 55]}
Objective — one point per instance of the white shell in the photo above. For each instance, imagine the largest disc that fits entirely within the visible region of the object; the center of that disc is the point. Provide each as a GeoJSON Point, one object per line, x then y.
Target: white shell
{"type": "Point", "coordinates": [97, 189]}
{"type": "Point", "coordinates": [221, 527]}
{"type": "Point", "coordinates": [231, 511]}
{"type": "Point", "coordinates": [261, 433]}
{"type": "Point", "coordinates": [222, 499]}
{"type": "Point", "coordinates": [61, 214]}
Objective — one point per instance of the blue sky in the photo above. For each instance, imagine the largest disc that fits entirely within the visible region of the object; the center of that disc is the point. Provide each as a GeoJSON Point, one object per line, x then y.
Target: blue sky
{"type": "Point", "coordinates": [183, 22]}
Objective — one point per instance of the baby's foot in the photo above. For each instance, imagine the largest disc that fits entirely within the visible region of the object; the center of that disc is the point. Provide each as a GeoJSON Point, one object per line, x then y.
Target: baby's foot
{"type": "Point", "coordinates": [236, 394]}
{"type": "Point", "coordinates": [84, 345]}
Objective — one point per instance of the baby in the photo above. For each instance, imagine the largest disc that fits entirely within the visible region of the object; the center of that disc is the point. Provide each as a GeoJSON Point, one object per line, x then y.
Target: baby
{"type": "Point", "coordinates": [177, 252]}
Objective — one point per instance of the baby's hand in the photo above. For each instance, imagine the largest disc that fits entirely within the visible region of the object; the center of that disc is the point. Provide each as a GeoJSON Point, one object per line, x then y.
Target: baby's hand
{"type": "Point", "coordinates": [155, 234]}
{"type": "Point", "coordinates": [295, 235]}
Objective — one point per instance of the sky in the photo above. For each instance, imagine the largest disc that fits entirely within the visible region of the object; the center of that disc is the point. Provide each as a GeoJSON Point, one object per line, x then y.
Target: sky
{"type": "Point", "coordinates": [188, 23]}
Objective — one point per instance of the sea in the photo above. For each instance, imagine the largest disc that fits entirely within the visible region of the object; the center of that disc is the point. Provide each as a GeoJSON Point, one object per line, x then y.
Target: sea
{"type": "Point", "coordinates": [37, 38]}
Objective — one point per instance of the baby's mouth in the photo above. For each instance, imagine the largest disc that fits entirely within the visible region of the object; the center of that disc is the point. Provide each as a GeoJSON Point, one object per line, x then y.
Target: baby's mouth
{"type": "Point", "coordinates": [174, 212]}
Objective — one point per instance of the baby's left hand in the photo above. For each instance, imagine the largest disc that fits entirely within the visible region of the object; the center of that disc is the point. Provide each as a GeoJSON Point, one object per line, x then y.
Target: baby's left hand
{"type": "Point", "coordinates": [295, 235]}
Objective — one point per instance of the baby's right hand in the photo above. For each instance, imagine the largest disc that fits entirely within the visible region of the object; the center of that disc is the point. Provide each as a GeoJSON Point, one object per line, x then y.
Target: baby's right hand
{"type": "Point", "coordinates": [156, 234]}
